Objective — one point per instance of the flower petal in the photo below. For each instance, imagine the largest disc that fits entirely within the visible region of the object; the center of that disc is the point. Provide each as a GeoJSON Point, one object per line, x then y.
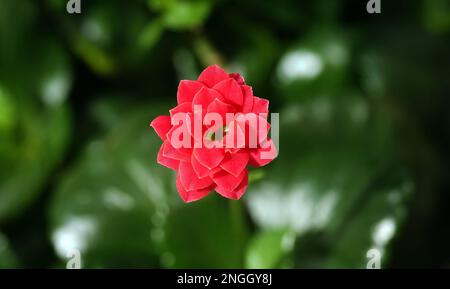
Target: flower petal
{"type": "Point", "coordinates": [247, 105]}
{"type": "Point", "coordinates": [235, 137]}
{"type": "Point", "coordinates": [193, 195]}
{"type": "Point", "coordinates": [235, 163]}
{"type": "Point", "coordinates": [237, 193]}
{"type": "Point", "coordinates": [161, 125]}
{"type": "Point", "coordinates": [206, 96]}
{"type": "Point", "coordinates": [221, 108]}
{"type": "Point", "coordinates": [236, 76]}
{"type": "Point", "coordinates": [260, 105]}
{"type": "Point", "coordinates": [187, 89]}
{"type": "Point", "coordinates": [231, 91]}
{"type": "Point", "coordinates": [185, 107]}
{"type": "Point", "coordinates": [227, 181]}
{"type": "Point", "coordinates": [167, 162]}
{"type": "Point", "coordinates": [184, 130]}
{"type": "Point", "coordinates": [262, 156]}
{"type": "Point", "coordinates": [212, 75]}
{"type": "Point", "coordinates": [189, 178]}
{"type": "Point", "coordinates": [199, 169]}
{"type": "Point", "coordinates": [255, 127]}
{"type": "Point", "coordinates": [181, 154]}
{"type": "Point", "coordinates": [209, 157]}
{"type": "Point", "coordinates": [263, 128]}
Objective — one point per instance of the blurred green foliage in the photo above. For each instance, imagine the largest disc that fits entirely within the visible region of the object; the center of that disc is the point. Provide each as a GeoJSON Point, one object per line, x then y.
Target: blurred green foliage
{"type": "Point", "coordinates": [364, 133]}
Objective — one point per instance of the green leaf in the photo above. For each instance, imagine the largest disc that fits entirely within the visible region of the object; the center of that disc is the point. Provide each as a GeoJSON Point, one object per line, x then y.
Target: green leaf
{"type": "Point", "coordinates": [372, 226]}
{"type": "Point", "coordinates": [436, 15]}
{"type": "Point", "coordinates": [332, 148]}
{"type": "Point", "coordinates": [211, 233]}
{"type": "Point", "coordinates": [31, 161]}
{"type": "Point", "coordinates": [317, 65]}
{"type": "Point", "coordinates": [8, 259]}
{"type": "Point", "coordinates": [36, 136]}
{"type": "Point", "coordinates": [114, 194]}
{"type": "Point", "coordinates": [8, 116]}
{"type": "Point", "coordinates": [182, 15]}
{"type": "Point", "coordinates": [150, 34]}
{"type": "Point", "coordinates": [330, 161]}
{"type": "Point", "coordinates": [110, 37]}
{"type": "Point", "coordinates": [267, 249]}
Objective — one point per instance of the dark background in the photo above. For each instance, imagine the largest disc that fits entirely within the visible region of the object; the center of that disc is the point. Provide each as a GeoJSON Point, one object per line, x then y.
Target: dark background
{"type": "Point", "coordinates": [364, 123]}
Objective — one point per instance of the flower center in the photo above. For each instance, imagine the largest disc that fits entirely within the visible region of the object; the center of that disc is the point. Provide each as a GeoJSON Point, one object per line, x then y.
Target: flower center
{"type": "Point", "coordinates": [218, 134]}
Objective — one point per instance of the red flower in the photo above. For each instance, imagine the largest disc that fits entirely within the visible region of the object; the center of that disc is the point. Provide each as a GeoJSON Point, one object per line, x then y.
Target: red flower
{"type": "Point", "coordinates": [214, 154]}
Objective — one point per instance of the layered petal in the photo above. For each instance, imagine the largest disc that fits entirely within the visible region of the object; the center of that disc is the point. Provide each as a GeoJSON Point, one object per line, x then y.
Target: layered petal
{"type": "Point", "coordinates": [255, 127]}
{"type": "Point", "coordinates": [161, 125]}
{"type": "Point", "coordinates": [167, 162]}
{"type": "Point", "coordinates": [184, 132]}
{"type": "Point", "coordinates": [195, 120]}
{"type": "Point", "coordinates": [205, 97]}
{"type": "Point", "coordinates": [181, 154]}
{"type": "Point", "coordinates": [237, 193]}
{"type": "Point", "coordinates": [221, 108]}
{"type": "Point", "coordinates": [231, 91]}
{"type": "Point", "coordinates": [185, 107]}
{"type": "Point", "coordinates": [235, 138]}
{"type": "Point", "coordinates": [190, 196]}
{"type": "Point", "coordinates": [187, 89]}
{"type": "Point", "coordinates": [236, 76]}
{"type": "Point", "coordinates": [227, 181]}
{"type": "Point", "coordinates": [209, 157]}
{"type": "Point", "coordinates": [242, 139]}
{"type": "Point", "coordinates": [212, 74]}
{"type": "Point", "coordinates": [247, 92]}
{"type": "Point", "coordinates": [235, 163]}
{"type": "Point", "coordinates": [189, 178]}
{"type": "Point", "coordinates": [262, 156]}
{"type": "Point", "coordinates": [260, 105]}
{"type": "Point", "coordinates": [199, 169]}
{"type": "Point", "coordinates": [262, 128]}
